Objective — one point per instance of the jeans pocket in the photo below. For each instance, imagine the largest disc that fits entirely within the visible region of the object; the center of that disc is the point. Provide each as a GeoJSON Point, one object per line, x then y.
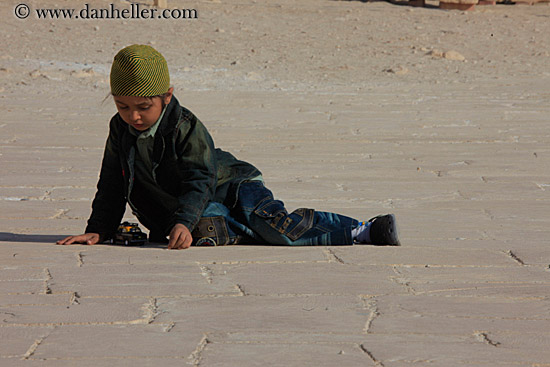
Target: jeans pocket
{"type": "Point", "coordinates": [213, 231]}
{"type": "Point", "coordinates": [303, 222]}
{"type": "Point", "coordinates": [270, 209]}
{"type": "Point", "coordinates": [292, 225]}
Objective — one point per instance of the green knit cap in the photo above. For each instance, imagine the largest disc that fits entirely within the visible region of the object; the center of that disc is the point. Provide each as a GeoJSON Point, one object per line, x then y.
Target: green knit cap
{"type": "Point", "coordinates": [139, 71]}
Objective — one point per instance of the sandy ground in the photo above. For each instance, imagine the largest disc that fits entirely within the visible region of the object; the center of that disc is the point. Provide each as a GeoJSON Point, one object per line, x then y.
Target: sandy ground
{"type": "Point", "coordinates": [360, 108]}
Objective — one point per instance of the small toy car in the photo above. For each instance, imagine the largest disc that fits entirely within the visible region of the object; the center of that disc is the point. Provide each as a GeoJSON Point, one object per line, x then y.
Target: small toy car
{"type": "Point", "coordinates": [129, 234]}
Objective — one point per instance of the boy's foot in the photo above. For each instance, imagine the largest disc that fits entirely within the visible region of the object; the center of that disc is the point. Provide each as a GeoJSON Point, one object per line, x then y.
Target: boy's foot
{"type": "Point", "coordinates": [383, 230]}
{"type": "Point", "coordinates": [361, 234]}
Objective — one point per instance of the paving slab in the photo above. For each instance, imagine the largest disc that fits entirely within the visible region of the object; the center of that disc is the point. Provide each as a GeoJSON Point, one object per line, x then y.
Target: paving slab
{"type": "Point", "coordinates": [442, 324]}
{"type": "Point", "coordinates": [19, 273]}
{"type": "Point", "coordinates": [421, 257]}
{"type": "Point", "coordinates": [283, 337]}
{"type": "Point", "coordinates": [535, 342]}
{"type": "Point", "coordinates": [95, 361]}
{"type": "Point", "coordinates": [299, 354]}
{"type": "Point", "coordinates": [158, 254]}
{"type": "Point", "coordinates": [22, 287]}
{"type": "Point", "coordinates": [527, 291]}
{"type": "Point", "coordinates": [118, 342]}
{"type": "Point", "coordinates": [465, 244]}
{"type": "Point", "coordinates": [17, 341]}
{"type": "Point", "coordinates": [280, 279]}
{"type": "Point", "coordinates": [444, 363]}
{"type": "Point", "coordinates": [318, 313]}
{"type": "Point", "coordinates": [357, 116]}
{"type": "Point", "coordinates": [134, 280]}
{"type": "Point", "coordinates": [34, 299]}
{"type": "Point", "coordinates": [464, 306]}
{"type": "Point", "coordinates": [513, 274]}
{"type": "Point", "coordinates": [453, 350]}
{"type": "Point", "coordinates": [82, 311]}
{"type": "Point", "coordinates": [26, 254]}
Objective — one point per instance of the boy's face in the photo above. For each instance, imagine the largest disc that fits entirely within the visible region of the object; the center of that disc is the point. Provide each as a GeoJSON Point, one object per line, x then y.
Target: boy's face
{"type": "Point", "coordinates": [141, 112]}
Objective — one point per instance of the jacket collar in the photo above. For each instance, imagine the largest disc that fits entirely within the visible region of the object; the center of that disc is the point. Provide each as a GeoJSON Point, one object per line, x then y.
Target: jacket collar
{"type": "Point", "coordinates": [166, 126]}
{"type": "Point", "coordinates": [171, 117]}
{"type": "Point", "coordinates": [168, 123]}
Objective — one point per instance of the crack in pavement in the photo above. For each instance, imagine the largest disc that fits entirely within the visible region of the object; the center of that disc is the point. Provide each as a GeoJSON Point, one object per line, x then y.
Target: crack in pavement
{"type": "Point", "coordinates": [79, 259]}
{"type": "Point", "coordinates": [151, 311]}
{"type": "Point", "coordinates": [484, 338]}
{"type": "Point", "coordinates": [169, 327]}
{"type": "Point", "coordinates": [34, 346]}
{"type": "Point", "coordinates": [74, 299]}
{"type": "Point", "coordinates": [241, 290]}
{"type": "Point", "coordinates": [207, 273]}
{"type": "Point", "coordinates": [401, 280]}
{"type": "Point", "coordinates": [514, 257]}
{"type": "Point", "coordinates": [372, 306]}
{"type": "Point", "coordinates": [48, 276]}
{"type": "Point", "coordinates": [196, 355]}
{"type": "Point", "coordinates": [371, 356]}
{"type": "Point", "coordinates": [332, 257]}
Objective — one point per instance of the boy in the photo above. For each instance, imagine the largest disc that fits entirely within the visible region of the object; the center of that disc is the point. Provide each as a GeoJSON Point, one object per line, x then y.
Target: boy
{"type": "Point", "coordinates": [160, 159]}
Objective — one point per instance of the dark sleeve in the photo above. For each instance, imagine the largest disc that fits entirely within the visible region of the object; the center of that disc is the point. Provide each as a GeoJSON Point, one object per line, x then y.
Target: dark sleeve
{"type": "Point", "coordinates": [109, 203]}
{"type": "Point", "coordinates": [197, 165]}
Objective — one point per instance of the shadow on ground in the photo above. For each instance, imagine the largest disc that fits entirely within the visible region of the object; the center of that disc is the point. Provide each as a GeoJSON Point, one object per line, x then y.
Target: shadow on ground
{"type": "Point", "coordinates": [15, 237]}
{"type": "Point", "coordinates": [52, 238]}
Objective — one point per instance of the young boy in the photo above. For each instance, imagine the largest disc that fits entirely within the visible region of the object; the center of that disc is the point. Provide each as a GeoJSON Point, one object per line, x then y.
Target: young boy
{"type": "Point", "coordinates": [160, 159]}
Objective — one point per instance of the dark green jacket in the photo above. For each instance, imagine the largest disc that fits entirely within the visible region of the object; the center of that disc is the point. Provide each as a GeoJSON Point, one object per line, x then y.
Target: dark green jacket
{"type": "Point", "coordinates": [188, 173]}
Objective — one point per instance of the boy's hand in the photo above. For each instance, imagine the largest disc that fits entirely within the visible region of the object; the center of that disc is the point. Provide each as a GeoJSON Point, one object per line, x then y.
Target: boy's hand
{"type": "Point", "coordinates": [180, 237]}
{"type": "Point", "coordinates": [87, 239]}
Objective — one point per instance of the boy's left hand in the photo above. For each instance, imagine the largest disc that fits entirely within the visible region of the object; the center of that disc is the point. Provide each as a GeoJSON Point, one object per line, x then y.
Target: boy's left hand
{"type": "Point", "coordinates": [180, 237]}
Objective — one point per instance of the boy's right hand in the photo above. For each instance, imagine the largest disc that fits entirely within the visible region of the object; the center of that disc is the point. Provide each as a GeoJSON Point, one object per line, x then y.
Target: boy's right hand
{"type": "Point", "coordinates": [86, 238]}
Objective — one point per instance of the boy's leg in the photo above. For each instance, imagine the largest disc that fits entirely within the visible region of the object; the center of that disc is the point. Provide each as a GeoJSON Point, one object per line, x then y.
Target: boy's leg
{"type": "Point", "coordinates": [269, 219]}
{"type": "Point", "coordinates": [259, 218]}
{"type": "Point", "coordinates": [217, 224]}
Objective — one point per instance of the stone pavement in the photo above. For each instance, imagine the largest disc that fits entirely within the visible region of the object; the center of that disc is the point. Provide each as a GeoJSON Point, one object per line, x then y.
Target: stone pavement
{"type": "Point", "coordinates": [466, 171]}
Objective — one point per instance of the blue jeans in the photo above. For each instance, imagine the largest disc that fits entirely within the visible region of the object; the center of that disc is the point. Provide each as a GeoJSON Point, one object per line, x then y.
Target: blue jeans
{"type": "Point", "coordinates": [258, 218]}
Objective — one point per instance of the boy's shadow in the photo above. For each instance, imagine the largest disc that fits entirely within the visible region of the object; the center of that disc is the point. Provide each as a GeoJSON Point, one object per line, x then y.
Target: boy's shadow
{"type": "Point", "coordinates": [52, 238]}
{"type": "Point", "coordinates": [16, 237]}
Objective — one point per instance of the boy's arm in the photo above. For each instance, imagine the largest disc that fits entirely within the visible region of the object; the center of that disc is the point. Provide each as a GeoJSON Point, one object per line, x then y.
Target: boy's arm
{"type": "Point", "coordinates": [109, 203]}
{"type": "Point", "coordinates": [198, 168]}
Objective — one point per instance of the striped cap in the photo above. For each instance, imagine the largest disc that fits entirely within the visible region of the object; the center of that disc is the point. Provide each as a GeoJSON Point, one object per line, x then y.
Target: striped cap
{"type": "Point", "coordinates": [139, 71]}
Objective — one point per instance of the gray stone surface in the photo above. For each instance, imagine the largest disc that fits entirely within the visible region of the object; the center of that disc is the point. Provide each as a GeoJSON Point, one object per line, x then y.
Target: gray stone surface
{"type": "Point", "coordinates": [459, 151]}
